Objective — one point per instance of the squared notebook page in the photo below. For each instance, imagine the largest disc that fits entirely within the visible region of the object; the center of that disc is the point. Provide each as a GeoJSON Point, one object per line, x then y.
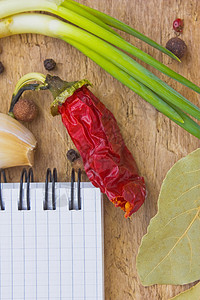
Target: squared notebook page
{"type": "Point", "coordinates": [53, 254]}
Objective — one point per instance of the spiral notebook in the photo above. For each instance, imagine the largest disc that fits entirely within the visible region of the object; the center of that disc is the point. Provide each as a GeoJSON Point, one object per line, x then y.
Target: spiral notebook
{"type": "Point", "coordinates": [51, 239]}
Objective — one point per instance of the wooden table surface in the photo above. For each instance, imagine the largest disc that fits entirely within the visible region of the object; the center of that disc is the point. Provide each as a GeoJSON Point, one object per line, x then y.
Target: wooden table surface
{"type": "Point", "coordinates": [155, 142]}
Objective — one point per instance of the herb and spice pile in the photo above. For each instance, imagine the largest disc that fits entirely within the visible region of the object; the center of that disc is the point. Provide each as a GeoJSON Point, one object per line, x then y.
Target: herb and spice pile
{"type": "Point", "coordinates": [169, 252]}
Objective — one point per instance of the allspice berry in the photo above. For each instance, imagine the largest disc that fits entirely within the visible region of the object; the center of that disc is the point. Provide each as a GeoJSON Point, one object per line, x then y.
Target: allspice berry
{"type": "Point", "coordinates": [25, 110]}
{"type": "Point", "coordinates": [177, 46]}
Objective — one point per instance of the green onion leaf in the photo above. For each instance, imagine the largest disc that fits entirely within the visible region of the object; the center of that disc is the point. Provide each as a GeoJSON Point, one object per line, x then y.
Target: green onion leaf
{"type": "Point", "coordinates": [82, 12]}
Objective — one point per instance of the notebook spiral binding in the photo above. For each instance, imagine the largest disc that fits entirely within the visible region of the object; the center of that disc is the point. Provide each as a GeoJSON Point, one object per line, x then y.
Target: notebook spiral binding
{"type": "Point", "coordinates": [53, 179]}
{"type": "Point", "coordinates": [27, 177]}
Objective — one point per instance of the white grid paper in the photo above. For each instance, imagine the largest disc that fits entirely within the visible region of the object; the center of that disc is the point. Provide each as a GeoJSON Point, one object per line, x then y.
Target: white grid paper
{"type": "Point", "coordinates": [54, 254]}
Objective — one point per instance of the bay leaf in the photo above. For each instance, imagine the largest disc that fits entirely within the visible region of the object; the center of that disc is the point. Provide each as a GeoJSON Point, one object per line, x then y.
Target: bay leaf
{"type": "Point", "coordinates": [170, 251]}
{"type": "Point", "coordinates": [191, 294]}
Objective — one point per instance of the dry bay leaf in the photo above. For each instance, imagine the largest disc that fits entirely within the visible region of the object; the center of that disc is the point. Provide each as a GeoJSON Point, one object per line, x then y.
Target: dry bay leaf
{"type": "Point", "coordinates": [191, 294]}
{"type": "Point", "coordinates": [170, 251]}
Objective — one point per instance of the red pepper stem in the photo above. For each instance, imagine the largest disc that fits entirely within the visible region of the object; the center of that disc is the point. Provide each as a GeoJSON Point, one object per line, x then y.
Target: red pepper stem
{"type": "Point", "coordinates": [61, 90]}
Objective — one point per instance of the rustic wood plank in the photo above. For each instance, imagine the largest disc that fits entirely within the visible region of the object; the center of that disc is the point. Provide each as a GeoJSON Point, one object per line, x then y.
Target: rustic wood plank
{"type": "Point", "coordinates": [155, 142]}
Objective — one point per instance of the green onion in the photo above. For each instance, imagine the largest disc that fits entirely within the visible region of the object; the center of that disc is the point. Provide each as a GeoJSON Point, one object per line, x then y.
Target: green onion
{"type": "Point", "coordinates": [47, 25]}
{"type": "Point", "coordinates": [11, 7]}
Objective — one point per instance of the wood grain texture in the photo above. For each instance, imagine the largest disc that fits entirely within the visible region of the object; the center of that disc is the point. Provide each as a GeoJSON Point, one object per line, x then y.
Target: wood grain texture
{"type": "Point", "coordinates": [155, 141]}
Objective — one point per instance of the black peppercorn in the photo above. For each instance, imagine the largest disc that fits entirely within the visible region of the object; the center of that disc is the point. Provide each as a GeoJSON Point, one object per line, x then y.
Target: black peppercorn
{"type": "Point", "coordinates": [49, 64]}
{"type": "Point", "coordinates": [177, 46]}
{"type": "Point", "coordinates": [1, 67]}
{"type": "Point", "coordinates": [75, 159]}
{"type": "Point", "coordinates": [72, 155]}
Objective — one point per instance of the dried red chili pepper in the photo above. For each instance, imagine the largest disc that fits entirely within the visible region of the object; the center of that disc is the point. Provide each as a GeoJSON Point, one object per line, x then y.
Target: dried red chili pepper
{"type": "Point", "coordinates": [108, 163]}
{"type": "Point", "coordinates": [93, 129]}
